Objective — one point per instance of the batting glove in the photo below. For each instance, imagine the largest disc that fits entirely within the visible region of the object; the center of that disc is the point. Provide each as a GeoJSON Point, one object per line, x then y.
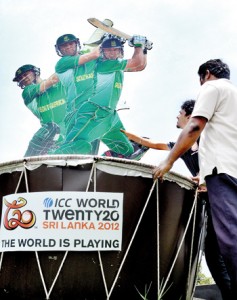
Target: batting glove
{"type": "Point", "coordinates": [137, 41]}
{"type": "Point", "coordinates": [148, 45]}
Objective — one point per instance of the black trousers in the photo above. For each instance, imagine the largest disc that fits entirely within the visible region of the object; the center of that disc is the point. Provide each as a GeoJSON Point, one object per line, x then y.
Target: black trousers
{"type": "Point", "coordinates": [222, 194]}
{"type": "Point", "coordinates": [214, 258]}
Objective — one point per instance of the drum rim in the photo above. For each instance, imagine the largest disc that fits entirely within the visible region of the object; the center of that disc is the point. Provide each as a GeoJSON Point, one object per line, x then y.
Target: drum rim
{"type": "Point", "coordinates": [145, 170]}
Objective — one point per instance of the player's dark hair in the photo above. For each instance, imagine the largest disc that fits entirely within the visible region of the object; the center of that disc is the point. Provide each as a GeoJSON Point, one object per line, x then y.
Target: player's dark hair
{"type": "Point", "coordinates": [216, 67]}
{"type": "Point", "coordinates": [188, 106]}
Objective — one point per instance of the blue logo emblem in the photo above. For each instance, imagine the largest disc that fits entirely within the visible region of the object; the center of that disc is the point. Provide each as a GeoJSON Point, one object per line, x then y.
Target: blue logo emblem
{"type": "Point", "coordinates": [48, 202]}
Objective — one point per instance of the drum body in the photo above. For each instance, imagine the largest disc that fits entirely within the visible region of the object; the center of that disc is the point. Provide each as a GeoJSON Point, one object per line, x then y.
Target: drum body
{"type": "Point", "coordinates": [159, 253]}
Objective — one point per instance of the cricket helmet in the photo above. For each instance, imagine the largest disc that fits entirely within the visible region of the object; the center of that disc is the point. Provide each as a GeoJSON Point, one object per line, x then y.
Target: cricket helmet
{"type": "Point", "coordinates": [65, 39]}
{"type": "Point", "coordinates": [111, 41]}
{"type": "Point", "coordinates": [22, 70]}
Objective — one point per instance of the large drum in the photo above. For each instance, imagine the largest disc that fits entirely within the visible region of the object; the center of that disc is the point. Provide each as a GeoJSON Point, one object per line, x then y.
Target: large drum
{"type": "Point", "coordinates": [162, 233]}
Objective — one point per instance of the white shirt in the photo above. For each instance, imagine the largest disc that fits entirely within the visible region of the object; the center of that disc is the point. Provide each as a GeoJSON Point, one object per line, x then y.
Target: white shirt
{"type": "Point", "coordinates": [217, 102]}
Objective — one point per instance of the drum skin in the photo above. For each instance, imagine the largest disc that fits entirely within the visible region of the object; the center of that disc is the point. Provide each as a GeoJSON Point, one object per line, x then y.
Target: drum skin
{"type": "Point", "coordinates": [80, 277]}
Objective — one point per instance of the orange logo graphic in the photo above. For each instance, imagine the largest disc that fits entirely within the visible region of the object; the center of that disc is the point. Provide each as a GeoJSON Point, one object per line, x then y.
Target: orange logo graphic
{"type": "Point", "coordinates": [25, 219]}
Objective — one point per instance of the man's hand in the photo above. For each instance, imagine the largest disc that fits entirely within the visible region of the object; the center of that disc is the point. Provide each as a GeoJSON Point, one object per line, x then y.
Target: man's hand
{"type": "Point", "coordinates": [164, 167]}
{"type": "Point", "coordinates": [201, 187]}
{"type": "Point", "coordinates": [137, 41]}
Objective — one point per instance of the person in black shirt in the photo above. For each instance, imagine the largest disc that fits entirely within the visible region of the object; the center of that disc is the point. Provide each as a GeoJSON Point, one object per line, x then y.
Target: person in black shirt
{"type": "Point", "coordinates": [190, 158]}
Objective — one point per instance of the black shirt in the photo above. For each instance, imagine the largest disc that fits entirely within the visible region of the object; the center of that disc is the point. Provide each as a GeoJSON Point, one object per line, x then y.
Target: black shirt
{"type": "Point", "coordinates": [190, 159]}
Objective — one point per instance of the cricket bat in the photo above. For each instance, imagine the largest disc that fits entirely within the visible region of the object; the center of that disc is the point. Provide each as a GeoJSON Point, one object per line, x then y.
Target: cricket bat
{"type": "Point", "coordinates": [97, 36]}
{"type": "Point", "coordinates": [97, 23]}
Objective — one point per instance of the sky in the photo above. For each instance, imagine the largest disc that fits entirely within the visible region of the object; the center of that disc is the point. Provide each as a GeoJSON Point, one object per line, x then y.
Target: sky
{"type": "Point", "coordinates": [185, 34]}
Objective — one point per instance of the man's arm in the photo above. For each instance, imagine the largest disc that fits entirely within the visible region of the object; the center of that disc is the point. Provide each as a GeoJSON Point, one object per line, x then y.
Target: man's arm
{"type": "Point", "coordinates": [34, 90]}
{"type": "Point", "coordinates": [186, 139]}
{"type": "Point", "coordinates": [139, 59]}
{"type": "Point", "coordinates": [137, 62]}
{"type": "Point", "coordinates": [84, 58]}
{"type": "Point", "coordinates": [145, 142]}
{"type": "Point", "coordinates": [72, 62]}
{"type": "Point", "coordinates": [46, 84]}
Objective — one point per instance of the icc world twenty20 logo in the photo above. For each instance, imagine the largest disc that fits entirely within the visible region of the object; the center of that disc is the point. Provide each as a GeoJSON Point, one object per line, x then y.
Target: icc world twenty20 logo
{"type": "Point", "coordinates": [25, 219]}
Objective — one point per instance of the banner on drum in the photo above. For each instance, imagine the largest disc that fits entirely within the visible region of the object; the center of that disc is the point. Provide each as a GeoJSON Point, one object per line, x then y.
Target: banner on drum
{"type": "Point", "coordinates": [75, 221]}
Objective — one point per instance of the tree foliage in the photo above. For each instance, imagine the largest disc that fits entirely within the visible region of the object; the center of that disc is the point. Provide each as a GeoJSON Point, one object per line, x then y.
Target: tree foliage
{"type": "Point", "coordinates": [202, 278]}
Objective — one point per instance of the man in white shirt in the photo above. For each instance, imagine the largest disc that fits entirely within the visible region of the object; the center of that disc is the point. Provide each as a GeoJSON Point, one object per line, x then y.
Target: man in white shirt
{"type": "Point", "coordinates": [214, 118]}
